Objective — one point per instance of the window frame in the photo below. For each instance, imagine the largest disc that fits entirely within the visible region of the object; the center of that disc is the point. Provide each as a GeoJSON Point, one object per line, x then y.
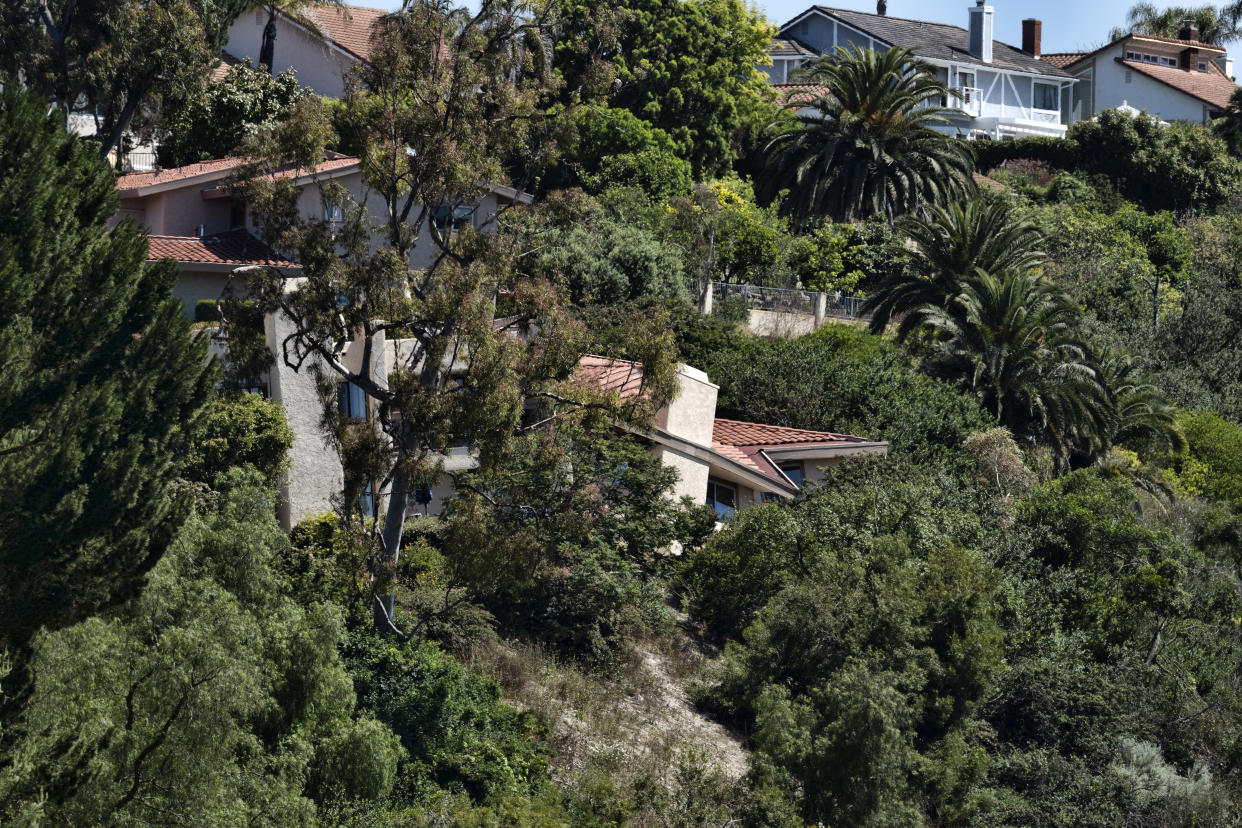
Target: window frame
{"type": "Point", "coordinates": [1047, 88]}
{"type": "Point", "coordinates": [349, 398]}
{"type": "Point", "coordinates": [724, 511]}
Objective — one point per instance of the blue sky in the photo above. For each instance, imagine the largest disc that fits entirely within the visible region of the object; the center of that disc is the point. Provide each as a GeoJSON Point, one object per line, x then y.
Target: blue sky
{"type": "Point", "coordinates": [1069, 25]}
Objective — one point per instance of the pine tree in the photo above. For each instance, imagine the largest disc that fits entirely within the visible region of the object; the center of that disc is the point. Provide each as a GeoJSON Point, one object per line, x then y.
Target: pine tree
{"type": "Point", "coordinates": [99, 383]}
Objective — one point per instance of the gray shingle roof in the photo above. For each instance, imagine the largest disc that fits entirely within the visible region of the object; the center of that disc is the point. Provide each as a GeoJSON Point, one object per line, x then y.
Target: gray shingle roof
{"type": "Point", "coordinates": [788, 47]}
{"type": "Point", "coordinates": [940, 41]}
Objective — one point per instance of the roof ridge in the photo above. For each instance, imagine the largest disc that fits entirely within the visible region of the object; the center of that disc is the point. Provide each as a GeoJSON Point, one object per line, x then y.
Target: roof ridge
{"type": "Point", "coordinates": [833, 10]}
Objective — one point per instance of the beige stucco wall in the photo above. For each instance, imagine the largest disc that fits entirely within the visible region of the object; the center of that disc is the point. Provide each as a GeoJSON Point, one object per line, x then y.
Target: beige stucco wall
{"type": "Point", "coordinates": [192, 287]}
{"type": "Point", "coordinates": [780, 324]}
{"type": "Point", "coordinates": [692, 413]}
{"type": "Point", "coordinates": [691, 473]}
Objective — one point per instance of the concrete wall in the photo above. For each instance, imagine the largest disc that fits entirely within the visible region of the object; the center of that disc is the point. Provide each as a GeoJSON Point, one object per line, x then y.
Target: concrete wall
{"type": "Point", "coordinates": [320, 66]}
{"type": "Point", "coordinates": [192, 287]}
{"type": "Point", "coordinates": [780, 324]}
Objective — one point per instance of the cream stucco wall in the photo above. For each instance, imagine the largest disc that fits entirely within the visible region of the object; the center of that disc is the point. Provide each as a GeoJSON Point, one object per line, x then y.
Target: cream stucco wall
{"type": "Point", "coordinates": [320, 66]}
{"type": "Point", "coordinates": [692, 413]}
{"type": "Point", "coordinates": [1116, 83]}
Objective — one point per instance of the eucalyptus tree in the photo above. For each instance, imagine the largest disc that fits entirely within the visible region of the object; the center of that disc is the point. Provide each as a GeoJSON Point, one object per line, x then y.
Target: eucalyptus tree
{"type": "Point", "coordinates": [117, 61]}
{"type": "Point", "coordinates": [450, 104]}
{"type": "Point", "coordinates": [868, 145]}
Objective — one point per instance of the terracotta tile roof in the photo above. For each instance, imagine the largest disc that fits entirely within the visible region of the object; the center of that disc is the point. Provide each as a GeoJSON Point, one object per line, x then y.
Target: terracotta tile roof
{"type": "Point", "coordinates": [1211, 87]}
{"type": "Point", "coordinates": [136, 180]}
{"type": "Point", "coordinates": [737, 433]}
{"type": "Point", "coordinates": [221, 69]}
{"type": "Point", "coordinates": [349, 28]}
{"type": "Point", "coordinates": [619, 376]}
{"type": "Point", "coordinates": [799, 94]}
{"type": "Point", "coordinates": [217, 168]}
{"type": "Point", "coordinates": [236, 247]}
{"type": "Point", "coordinates": [1063, 59]}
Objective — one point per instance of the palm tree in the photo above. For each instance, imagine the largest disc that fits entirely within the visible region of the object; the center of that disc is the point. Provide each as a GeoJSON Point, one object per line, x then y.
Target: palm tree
{"type": "Point", "coordinates": [868, 145]}
{"type": "Point", "coordinates": [953, 244]}
{"type": "Point", "coordinates": [1015, 340]}
{"type": "Point", "coordinates": [1215, 26]}
{"type": "Point", "coordinates": [295, 11]}
{"type": "Point", "coordinates": [1142, 415]}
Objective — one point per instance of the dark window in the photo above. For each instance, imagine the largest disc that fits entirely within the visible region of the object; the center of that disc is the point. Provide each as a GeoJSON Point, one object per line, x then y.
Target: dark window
{"type": "Point", "coordinates": [793, 471]}
{"type": "Point", "coordinates": [351, 401]}
{"type": "Point", "coordinates": [722, 497]}
{"type": "Point", "coordinates": [1046, 96]}
{"type": "Point", "coordinates": [366, 503]}
{"type": "Point", "coordinates": [461, 217]}
{"type": "Point", "coordinates": [237, 214]}
{"type": "Point", "coordinates": [771, 497]}
{"type": "Point", "coordinates": [333, 212]}
{"type": "Point", "coordinates": [423, 496]}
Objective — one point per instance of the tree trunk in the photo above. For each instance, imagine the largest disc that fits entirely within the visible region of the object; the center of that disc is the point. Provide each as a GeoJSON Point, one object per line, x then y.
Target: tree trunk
{"type": "Point", "coordinates": [1155, 307]}
{"type": "Point", "coordinates": [1156, 641]}
{"type": "Point", "coordinates": [394, 523]}
{"type": "Point", "coordinates": [267, 52]}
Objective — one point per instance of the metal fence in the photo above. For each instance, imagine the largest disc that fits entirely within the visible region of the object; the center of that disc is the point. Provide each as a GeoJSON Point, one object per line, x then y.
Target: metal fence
{"type": "Point", "coordinates": [787, 300]}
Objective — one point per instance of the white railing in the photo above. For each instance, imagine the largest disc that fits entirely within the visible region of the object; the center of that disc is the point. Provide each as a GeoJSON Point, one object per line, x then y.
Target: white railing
{"type": "Point", "coordinates": [968, 99]}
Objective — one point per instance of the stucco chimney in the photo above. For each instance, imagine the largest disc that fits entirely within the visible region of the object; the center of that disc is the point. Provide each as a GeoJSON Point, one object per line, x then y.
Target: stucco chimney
{"type": "Point", "coordinates": [1190, 30]}
{"type": "Point", "coordinates": [881, 8]}
{"type": "Point", "coordinates": [980, 37]}
{"type": "Point", "coordinates": [1032, 36]}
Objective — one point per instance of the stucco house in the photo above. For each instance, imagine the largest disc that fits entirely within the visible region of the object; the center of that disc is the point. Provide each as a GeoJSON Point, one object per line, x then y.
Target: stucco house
{"type": "Point", "coordinates": [321, 64]}
{"type": "Point", "coordinates": [1176, 79]}
{"type": "Point", "coordinates": [724, 463]}
{"type": "Point", "coordinates": [192, 219]}
{"type": "Point", "coordinates": [1001, 91]}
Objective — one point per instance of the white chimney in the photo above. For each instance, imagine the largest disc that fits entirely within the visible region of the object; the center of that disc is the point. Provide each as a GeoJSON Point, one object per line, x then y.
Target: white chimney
{"type": "Point", "coordinates": [980, 36]}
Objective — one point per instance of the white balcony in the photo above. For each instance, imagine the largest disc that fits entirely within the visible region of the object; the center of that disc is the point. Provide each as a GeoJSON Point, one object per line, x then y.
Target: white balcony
{"type": "Point", "coordinates": [966, 99]}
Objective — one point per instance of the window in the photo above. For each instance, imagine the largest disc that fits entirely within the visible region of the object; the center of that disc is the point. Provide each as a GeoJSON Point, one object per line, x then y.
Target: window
{"type": "Point", "coordinates": [351, 401]}
{"type": "Point", "coordinates": [462, 217]}
{"type": "Point", "coordinates": [366, 502]}
{"type": "Point", "coordinates": [333, 212]}
{"type": "Point", "coordinates": [1047, 96]}
{"type": "Point", "coordinates": [237, 214]}
{"type": "Point", "coordinates": [1202, 66]}
{"type": "Point", "coordinates": [771, 497]}
{"type": "Point", "coordinates": [423, 496]}
{"type": "Point", "coordinates": [1129, 76]}
{"type": "Point", "coordinates": [722, 497]}
{"type": "Point", "coordinates": [793, 471]}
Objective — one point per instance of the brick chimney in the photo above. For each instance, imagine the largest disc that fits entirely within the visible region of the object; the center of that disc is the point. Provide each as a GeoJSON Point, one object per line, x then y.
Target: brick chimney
{"type": "Point", "coordinates": [1190, 30]}
{"type": "Point", "coordinates": [1190, 59]}
{"type": "Point", "coordinates": [1032, 36]}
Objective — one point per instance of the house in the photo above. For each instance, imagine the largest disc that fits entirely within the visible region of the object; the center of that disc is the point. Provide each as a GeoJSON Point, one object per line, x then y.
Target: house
{"type": "Point", "coordinates": [724, 463]}
{"type": "Point", "coordinates": [1176, 79]}
{"type": "Point", "coordinates": [1000, 91]}
{"type": "Point", "coordinates": [191, 218]}
{"type": "Point", "coordinates": [321, 64]}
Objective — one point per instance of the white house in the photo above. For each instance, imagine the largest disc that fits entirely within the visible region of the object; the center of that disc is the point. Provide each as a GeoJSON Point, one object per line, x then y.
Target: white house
{"type": "Point", "coordinates": [1176, 79]}
{"type": "Point", "coordinates": [1001, 91]}
{"type": "Point", "coordinates": [321, 64]}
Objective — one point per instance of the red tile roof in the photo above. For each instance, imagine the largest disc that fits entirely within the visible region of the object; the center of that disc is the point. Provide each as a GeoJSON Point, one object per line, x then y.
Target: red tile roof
{"type": "Point", "coordinates": [1211, 87]}
{"type": "Point", "coordinates": [138, 180]}
{"type": "Point", "coordinates": [349, 28]}
{"type": "Point", "coordinates": [1063, 59]}
{"type": "Point", "coordinates": [221, 69]}
{"type": "Point", "coordinates": [799, 94]}
{"type": "Point", "coordinates": [236, 247]}
{"type": "Point", "coordinates": [737, 433]}
{"type": "Point", "coordinates": [619, 376]}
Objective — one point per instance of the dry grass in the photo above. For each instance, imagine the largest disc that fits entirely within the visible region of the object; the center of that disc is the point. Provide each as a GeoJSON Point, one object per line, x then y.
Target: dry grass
{"type": "Point", "coordinates": [636, 720]}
